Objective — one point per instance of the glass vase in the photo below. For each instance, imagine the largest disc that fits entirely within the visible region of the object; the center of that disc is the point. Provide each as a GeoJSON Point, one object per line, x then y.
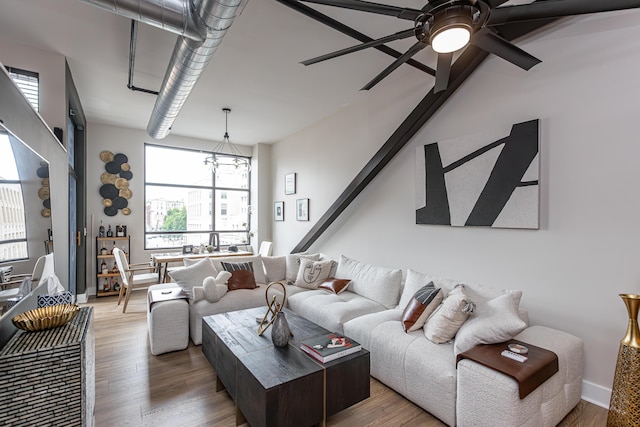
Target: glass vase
{"type": "Point", "coordinates": [280, 333]}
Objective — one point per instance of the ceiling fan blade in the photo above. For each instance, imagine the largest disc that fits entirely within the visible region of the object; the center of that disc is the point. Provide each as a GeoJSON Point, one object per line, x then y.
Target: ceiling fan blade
{"type": "Point", "coordinates": [365, 6]}
{"type": "Point", "coordinates": [373, 43]}
{"type": "Point", "coordinates": [442, 72]}
{"type": "Point", "coordinates": [398, 62]}
{"type": "Point", "coordinates": [491, 42]}
{"type": "Point", "coordinates": [556, 9]}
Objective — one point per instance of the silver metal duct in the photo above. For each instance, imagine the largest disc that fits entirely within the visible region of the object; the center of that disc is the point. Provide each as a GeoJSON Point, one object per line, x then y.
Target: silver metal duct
{"type": "Point", "coordinates": [189, 60]}
{"type": "Point", "coordinates": [175, 16]}
{"type": "Point", "coordinates": [201, 25]}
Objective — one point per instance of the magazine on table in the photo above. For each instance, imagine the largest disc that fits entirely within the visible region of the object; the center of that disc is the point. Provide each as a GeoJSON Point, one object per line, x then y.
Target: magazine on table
{"type": "Point", "coordinates": [328, 347]}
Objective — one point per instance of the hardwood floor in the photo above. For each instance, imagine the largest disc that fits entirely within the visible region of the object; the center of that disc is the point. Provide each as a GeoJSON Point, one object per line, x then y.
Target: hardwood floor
{"type": "Point", "coordinates": [134, 388]}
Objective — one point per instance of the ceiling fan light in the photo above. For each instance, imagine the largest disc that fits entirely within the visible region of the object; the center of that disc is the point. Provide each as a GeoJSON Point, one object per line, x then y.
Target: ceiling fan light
{"type": "Point", "coordinates": [450, 39]}
{"type": "Point", "coordinates": [451, 30]}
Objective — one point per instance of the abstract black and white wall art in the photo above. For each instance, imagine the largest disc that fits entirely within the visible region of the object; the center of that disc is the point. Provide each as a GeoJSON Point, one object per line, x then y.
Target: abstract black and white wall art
{"type": "Point", "coordinates": [486, 179]}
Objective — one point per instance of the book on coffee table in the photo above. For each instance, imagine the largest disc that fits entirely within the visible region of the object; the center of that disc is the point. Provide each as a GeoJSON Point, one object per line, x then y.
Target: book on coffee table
{"type": "Point", "coordinates": [328, 347]}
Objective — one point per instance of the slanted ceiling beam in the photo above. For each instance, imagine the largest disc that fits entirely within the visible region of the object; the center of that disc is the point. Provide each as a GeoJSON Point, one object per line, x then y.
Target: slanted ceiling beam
{"type": "Point", "coordinates": [461, 69]}
{"type": "Point", "coordinates": [430, 104]}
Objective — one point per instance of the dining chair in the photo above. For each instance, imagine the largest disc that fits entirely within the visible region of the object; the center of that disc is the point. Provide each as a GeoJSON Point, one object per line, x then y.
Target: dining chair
{"type": "Point", "coordinates": [133, 277]}
{"type": "Point", "coordinates": [265, 248]}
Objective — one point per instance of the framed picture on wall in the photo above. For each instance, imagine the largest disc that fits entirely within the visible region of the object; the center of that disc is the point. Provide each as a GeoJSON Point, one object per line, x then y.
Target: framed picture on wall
{"type": "Point", "coordinates": [278, 211]}
{"type": "Point", "coordinates": [290, 183]}
{"type": "Point", "coordinates": [302, 209]}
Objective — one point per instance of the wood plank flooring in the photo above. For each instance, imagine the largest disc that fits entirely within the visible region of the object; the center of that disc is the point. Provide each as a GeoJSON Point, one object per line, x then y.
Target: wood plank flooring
{"type": "Point", "coordinates": [135, 388]}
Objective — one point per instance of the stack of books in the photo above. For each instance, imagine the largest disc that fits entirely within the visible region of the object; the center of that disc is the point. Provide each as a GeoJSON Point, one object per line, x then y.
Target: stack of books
{"type": "Point", "coordinates": [328, 347]}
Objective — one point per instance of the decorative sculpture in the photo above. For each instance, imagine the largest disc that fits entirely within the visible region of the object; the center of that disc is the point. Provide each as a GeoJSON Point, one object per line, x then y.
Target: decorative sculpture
{"type": "Point", "coordinates": [281, 333]}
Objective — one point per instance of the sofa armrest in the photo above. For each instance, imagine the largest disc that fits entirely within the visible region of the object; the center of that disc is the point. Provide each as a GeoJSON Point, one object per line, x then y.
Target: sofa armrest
{"type": "Point", "coordinates": [485, 394]}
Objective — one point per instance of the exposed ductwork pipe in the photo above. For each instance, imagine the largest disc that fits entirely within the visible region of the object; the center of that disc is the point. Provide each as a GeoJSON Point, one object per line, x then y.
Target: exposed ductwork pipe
{"type": "Point", "coordinates": [175, 16]}
{"type": "Point", "coordinates": [189, 60]}
{"type": "Point", "coordinates": [191, 54]}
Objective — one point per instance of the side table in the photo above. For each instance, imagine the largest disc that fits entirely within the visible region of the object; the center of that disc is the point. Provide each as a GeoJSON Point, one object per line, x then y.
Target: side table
{"type": "Point", "coordinates": [48, 377]}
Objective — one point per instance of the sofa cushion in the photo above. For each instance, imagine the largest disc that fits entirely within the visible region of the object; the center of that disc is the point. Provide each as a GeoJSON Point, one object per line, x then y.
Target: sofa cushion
{"type": "Point", "coordinates": [445, 321]}
{"type": "Point", "coordinates": [312, 273]}
{"type": "Point", "coordinates": [292, 264]}
{"type": "Point", "coordinates": [379, 284]}
{"type": "Point", "coordinates": [415, 280]}
{"type": "Point", "coordinates": [330, 310]}
{"type": "Point", "coordinates": [241, 275]}
{"type": "Point", "coordinates": [194, 275]}
{"type": "Point", "coordinates": [334, 285]}
{"type": "Point", "coordinates": [493, 322]}
{"type": "Point", "coordinates": [420, 307]}
{"type": "Point", "coordinates": [258, 268]}
{"type": "Point", "coordinates": [275, 268]}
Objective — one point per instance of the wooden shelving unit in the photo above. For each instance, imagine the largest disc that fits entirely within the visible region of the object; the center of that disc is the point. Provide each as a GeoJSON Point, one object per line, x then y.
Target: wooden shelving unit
{"type": "Point", "coordinates": [109, 284]}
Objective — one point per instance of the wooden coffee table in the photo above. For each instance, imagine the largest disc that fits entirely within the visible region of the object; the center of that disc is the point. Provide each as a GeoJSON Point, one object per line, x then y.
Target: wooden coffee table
{"type": "Point", "coordinates": [274, 386]}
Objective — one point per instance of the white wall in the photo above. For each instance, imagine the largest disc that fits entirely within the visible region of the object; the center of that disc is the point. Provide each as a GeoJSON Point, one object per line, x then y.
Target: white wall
{"type": "Point", "coordinates": [586, 251]}
{"type": "Point", "coordinates": [130, 142]}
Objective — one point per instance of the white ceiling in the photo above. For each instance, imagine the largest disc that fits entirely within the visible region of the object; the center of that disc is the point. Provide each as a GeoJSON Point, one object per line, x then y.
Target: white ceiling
{"type": "Point", "coordinates": [256, 71]}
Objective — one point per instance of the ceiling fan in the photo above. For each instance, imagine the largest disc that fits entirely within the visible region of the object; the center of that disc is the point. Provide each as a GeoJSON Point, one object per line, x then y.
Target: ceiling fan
{"type": "Point", "coordinates": [450, 25]}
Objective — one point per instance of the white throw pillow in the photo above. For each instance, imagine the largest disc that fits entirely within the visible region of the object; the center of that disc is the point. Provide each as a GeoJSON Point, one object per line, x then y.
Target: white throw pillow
{"type": "Point", "coordinates": [444, 323]}
{"type": "Point", "coordinates": [194, 275]}
{"type": "Point", "coordinates": [275, 268]}
{"type": "Point", "coordinates": [378, 284]}
{"type": "Point", "coordinates": [493, 322]}
{"type": "Point", "coordinates": [216, 287]}
{"type": "Point", "coordinates": [312, 273]}
{"type": "Point", "coordinates": [293, 264]}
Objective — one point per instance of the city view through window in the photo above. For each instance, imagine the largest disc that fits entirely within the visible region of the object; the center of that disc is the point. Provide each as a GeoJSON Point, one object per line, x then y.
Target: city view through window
{"type": "Point", "coordinates": [13, 226]}
{"type": "Point", "coordinates": [185, 201]}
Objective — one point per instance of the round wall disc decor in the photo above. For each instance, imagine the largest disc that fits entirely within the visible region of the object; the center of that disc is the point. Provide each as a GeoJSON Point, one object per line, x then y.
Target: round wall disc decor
{"type": "Point", "coordinates": [115, 190]}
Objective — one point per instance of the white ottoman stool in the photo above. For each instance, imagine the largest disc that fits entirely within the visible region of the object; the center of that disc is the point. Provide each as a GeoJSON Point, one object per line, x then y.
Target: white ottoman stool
{"type": "Point", "coordinates": [168, 321]}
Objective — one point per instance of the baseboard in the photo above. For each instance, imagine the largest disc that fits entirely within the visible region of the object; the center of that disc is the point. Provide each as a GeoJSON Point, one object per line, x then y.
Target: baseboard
{"type": "Point", "coordinates": [596, 394]}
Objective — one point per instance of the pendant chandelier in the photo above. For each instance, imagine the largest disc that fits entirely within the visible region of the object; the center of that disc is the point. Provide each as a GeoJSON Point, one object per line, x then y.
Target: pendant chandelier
{"type": "Point", "coordinates": [226, 154]}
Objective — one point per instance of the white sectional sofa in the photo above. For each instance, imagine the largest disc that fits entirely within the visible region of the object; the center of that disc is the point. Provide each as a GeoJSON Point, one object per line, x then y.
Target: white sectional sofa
{"type": "Point", "coordinates": [370, 311]}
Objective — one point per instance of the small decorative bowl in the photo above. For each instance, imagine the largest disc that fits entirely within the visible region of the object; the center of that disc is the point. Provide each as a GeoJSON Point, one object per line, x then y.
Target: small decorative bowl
{"type": "Point", "coordinates": [46, 317]}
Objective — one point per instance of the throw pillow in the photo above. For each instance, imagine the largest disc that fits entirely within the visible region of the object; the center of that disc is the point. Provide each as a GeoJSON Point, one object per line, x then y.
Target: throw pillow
{"type": "Point", "coordinates": [312, 273]}
{"type": "Point", "coordinates": [258, 267]}
{"type": "Point", "coordinates": [445, 321]}
{"type": "Point", "coordinates": [293, 264]}
{"type": "Point", "coordinates": [241, 275]}
{"type": "Point", "coordinates": [275, 268]}
{"type": "Point", "coordinates": [334, 285]}
{"type": "Point", "coordinates": [194, 275]}
{"type": "Point", "coordinates": [420, 307]}
{"type": "Point", "coordinates": [216, 287]}
{"type": "Point", "coordinates": [378, 284]}
{"type": "Point", "coordinates": [493, 322]}
{"type": "Point", "coordinates": [413, 282]}
{"type": "Point", "coordinates": [190, 261]}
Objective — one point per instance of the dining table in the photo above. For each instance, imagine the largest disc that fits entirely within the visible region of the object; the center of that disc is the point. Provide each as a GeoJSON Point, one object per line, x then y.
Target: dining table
{"type": "Point", "coordinates": [161, 260]}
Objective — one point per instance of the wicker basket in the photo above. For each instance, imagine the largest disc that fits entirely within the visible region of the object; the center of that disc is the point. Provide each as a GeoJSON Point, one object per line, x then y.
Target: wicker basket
{"type": "Point", "coordinates": [46, 317]}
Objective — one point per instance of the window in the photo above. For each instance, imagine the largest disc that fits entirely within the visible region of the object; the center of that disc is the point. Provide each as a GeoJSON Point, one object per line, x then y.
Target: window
{"type": "Point", "coordinates": [28, 82]}
{"type": "Point", "coordinates": [13, 225]}
{"type": "Point", "coordinates": [184, 201]}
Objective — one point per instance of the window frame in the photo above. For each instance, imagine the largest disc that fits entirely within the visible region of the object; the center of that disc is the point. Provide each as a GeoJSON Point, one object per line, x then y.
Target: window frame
{"type": "Point", "coordinates": [212, 189]}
